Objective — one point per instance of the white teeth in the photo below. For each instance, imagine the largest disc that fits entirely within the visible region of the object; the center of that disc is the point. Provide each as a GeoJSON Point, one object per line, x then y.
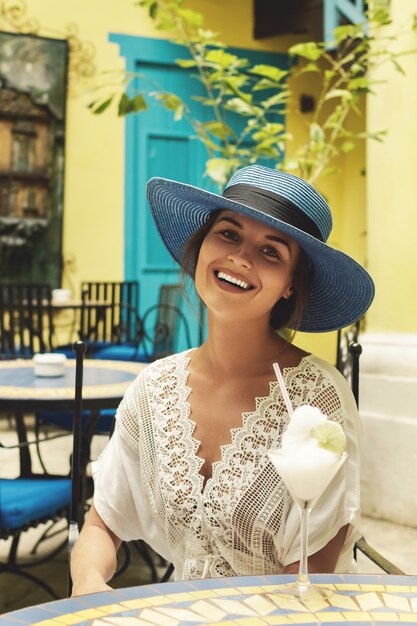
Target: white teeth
{"type": "Point", "coordinates": [234, 281]}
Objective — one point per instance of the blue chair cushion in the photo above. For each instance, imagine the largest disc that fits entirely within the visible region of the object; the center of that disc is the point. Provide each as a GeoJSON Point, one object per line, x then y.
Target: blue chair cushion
{"type": "Point", "coordinates": [67, 350]}
{"type": "Point", "coordinates": [28, 500]}
{"type": "Point", "coordinates": [120, 353]}
{"type": "Point", "coordinates": [64, 419]}
{"type": "Point", "coordinates": [92, 346]}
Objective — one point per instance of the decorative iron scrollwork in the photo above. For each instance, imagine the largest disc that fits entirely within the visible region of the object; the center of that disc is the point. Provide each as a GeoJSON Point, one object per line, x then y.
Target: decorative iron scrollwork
{"type": "Point", "coordinates": [14, 18]}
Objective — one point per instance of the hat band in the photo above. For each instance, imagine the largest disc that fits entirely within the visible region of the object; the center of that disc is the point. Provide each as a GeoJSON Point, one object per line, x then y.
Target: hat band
{"type": "Point", "coordinates": [274, 205]}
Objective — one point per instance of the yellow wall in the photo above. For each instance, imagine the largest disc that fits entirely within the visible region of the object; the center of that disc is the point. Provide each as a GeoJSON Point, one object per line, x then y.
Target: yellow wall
{"type": "Point", "coordinates": [392, 188]}
{"type": "Point", "coordinates": [94, 168]}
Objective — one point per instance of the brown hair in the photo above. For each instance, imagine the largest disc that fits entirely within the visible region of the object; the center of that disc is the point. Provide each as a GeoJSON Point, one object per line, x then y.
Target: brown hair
{"type": "Point", "coordinates": [285, 313]}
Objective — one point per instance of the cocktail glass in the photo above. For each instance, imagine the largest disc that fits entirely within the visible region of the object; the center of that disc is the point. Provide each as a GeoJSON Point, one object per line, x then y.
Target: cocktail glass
{"type": "Point", "coordinates": [306, 479]}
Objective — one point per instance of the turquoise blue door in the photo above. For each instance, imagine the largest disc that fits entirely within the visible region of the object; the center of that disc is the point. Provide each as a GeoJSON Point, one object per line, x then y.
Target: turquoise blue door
{"type": "Point", "coordinates": [156, 145]}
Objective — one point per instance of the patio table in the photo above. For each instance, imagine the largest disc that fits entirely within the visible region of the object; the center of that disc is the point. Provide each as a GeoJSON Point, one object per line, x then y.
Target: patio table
{"type": "Point", "coordinates": [251, 601]}
{"type": "Point", "coordinates": [22, 392]}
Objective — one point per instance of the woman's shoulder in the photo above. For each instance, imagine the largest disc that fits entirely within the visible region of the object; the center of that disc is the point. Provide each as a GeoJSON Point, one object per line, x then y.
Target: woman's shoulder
{"type": "Point", "coordinates": [329, 375]}
{"type": "Point", "coordinates": [176, 360]}
{"type": "Point", "coordinates": [167, 373]}
{"type": "Point", "coordinates": [325, 367]}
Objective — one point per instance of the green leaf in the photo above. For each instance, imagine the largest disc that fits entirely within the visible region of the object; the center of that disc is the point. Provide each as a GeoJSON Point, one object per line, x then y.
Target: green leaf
{"type": "Point", "coordinates": [360, 84]}
{"type": "Point", "coordinates": [347, 31]}
{"type": "Point", "coordinates": [210, 37]}
{"type": "Point", "coordinates": [231, 86]}
{"type": "Point", "coordinates": [193, 18]}
{"type": "Point", "coordinates": [274, 74]}
{"type": "Point", "coordinates": [310, 50]}
{"type": "Point", "coordinates": [316, 133]}
{"type": "Point", "coordinates": [234, 83]}
{"type": "Point", "coordinates": [239, 106]}
{"type": "Point", "coordinates": [310, 67]}
{"type": "Point", "coordinates": [278, 98]}
{"type": "Point", "coordinates": [211, 102]}
{"type": "Point", "coordinates": [205, 101]}
{"type": "Point", "coordinates": [131, 105]}
{"type": "Point", "coordinates": [268, 131]}
{"type": "Point", "coordinates": [266, 149]}
{"type": "Point", "coordinates": [347, 146]}
{"type": "Point", "coordinates": [124, 103]}
{"type": "Point", "coordinates": [102, 107]}
{"type": "Point", "coordinates": [264, 83]}
{"type": "Point", "coordinates": [169, 100]}
{"type": "Point", "coordinates": [357, 68]}
{"type": "Point", "coordinates": [290, 165]}
{"type": "Point", "coordinates": [218, 129]}
{"type": "Point", "coordinates": [220, 58]}
{"type": "Point", "coordinates": [186, 63]}
{"type": "Point", "coordinates": [329, 74]}
{"type": "Point", "coordinates": [328, 171]}
{"type": "Point", "coordinates": [381, 17]}
{"type": "Point", "coordinates": [397, 66]}
{"type": "Point", "coordinates": [344, 94]}
{"type": "Point", "coordinates": [138, 103]}
{"type": "Point", "coordinates": [218, 169]}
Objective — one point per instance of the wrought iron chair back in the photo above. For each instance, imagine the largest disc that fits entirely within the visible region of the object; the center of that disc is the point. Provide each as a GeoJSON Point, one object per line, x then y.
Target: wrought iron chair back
{"type": "Point", "coordinates": [109, 312]}
{"type": "Point", "coordinates": [162, 323]}
{"type": "Point", "coordinates": [26, 322]}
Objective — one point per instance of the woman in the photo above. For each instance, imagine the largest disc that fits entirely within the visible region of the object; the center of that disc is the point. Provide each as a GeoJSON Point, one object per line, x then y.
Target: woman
{"type": "Point", "coordinates": [187, 468]}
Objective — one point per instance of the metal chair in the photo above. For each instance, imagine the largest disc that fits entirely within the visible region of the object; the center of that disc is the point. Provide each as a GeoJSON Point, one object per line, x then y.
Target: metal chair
{"type": "Point", "coordinates": [26, 502]}
{"type": "Point", "coordinates": [109, 314]}
{"type": "Point", "coordinates": [108, 319]}
{"type": "Point", "coordinates": [347, 362]}
{"type": "Point", "coordinates": [26, 323]}
{"type": "Point", "coordinates": [160, 328]}
{"type": "Point", "coordinates": [32, 499]}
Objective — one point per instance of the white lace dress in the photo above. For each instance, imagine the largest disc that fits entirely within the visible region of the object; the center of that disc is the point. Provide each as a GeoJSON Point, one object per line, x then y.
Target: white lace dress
{"type": "Point", "coordinates": [148, 485]}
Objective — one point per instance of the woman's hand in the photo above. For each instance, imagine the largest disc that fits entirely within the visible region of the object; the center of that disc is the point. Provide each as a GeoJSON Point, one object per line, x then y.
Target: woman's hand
{"type": "Point", "coordinates": [90, 587]}
{"type": "Point", "coordinates": [93, 559]}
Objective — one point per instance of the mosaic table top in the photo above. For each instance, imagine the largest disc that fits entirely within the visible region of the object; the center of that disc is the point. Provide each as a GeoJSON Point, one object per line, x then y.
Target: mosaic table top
{"type": "Point", "coordinates": [245, 601]}
{"type": "Point", "coordinates": [109, 378]}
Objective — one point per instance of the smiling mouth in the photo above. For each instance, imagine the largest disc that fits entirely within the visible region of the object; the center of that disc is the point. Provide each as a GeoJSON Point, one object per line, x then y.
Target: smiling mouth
{"type": "Point", "coordinates": [226, 278]}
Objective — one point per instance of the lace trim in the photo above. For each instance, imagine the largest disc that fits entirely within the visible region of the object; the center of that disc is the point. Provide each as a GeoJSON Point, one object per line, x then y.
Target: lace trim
{"type": "Point", "coordinates": [179, 465]}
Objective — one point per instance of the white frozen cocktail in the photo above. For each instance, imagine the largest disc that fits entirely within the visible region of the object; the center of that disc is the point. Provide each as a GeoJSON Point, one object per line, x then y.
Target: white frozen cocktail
{"type": "Point", "coordinates": [312, 452]}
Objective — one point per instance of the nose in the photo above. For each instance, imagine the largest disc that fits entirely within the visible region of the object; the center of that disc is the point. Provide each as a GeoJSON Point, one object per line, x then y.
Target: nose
{"type": "Point", "coordinates": [240, 256]}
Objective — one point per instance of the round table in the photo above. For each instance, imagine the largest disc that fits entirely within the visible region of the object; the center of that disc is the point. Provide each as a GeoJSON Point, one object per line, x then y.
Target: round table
{"type": "Point", "coordinates": [248, 601]}
{"type": "Point", "coordinates": [104, 384]}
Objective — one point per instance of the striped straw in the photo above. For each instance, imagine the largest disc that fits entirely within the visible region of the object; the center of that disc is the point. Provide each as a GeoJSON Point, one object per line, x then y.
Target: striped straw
{"type": "Point", "coordinates": [284, 391]}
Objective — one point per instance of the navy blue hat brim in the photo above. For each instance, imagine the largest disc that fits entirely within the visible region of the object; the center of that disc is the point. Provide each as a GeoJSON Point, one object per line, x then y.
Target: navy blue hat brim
{"type": "Point", "coordinates": [340, 289]}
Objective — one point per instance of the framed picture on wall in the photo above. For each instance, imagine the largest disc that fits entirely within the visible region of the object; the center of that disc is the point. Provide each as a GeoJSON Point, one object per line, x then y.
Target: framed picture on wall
{"type": "Point", "coordinates": [33, 86]}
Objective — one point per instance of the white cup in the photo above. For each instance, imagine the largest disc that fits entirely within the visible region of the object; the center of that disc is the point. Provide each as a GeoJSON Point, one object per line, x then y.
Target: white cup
{"type": "Point", "coordinates": [49, 365]}
{"type": "Point", "coordinates": [61, 295]}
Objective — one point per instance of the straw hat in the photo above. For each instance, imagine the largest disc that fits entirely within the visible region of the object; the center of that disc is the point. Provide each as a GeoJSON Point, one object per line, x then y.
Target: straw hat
{"type": "Point", "coordinates": [340, 290]}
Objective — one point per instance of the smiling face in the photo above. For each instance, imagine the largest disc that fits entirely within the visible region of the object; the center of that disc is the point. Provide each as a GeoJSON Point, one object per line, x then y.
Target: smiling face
{"type": "Point", "coordinates": [244, 267]}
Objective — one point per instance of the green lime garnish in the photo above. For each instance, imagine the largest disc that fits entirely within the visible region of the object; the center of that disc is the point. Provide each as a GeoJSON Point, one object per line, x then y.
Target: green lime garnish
{"type": "Point", "coordinates": [330, 436]}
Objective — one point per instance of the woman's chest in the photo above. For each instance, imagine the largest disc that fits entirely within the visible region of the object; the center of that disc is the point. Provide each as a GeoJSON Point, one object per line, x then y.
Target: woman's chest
{"type": "Point", "coordinates": [213, 435]}
{"type": "Point", "coordinates": [217, 414]}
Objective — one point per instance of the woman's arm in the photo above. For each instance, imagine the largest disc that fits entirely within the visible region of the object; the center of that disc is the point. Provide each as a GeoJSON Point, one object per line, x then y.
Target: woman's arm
{"type": "Point", "coordinates": [93, 559]}
{"type": "Point", "coordinates": [323, 561]}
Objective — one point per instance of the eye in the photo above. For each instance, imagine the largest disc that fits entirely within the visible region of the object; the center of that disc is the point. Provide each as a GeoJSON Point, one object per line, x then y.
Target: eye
{"type": "Point", "coordinates": [229, 234]}
{"type": "Point", "coordinates": [271, 252]}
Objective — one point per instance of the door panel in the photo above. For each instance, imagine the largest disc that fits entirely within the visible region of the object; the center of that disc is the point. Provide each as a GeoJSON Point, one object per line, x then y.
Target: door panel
{"type": "Point", "coordinates": [157, 145]}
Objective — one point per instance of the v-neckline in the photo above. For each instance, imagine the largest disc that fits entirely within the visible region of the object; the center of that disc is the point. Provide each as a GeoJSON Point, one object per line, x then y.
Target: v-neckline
{"type": "Point", "coordinates": [205, 483]}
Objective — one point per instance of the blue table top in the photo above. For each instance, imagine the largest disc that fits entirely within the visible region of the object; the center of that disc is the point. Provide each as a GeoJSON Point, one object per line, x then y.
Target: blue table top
{"type": "Point", "coordinates": [101, 379]}
{"type": "Point", "coordinates": [248, 601]}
